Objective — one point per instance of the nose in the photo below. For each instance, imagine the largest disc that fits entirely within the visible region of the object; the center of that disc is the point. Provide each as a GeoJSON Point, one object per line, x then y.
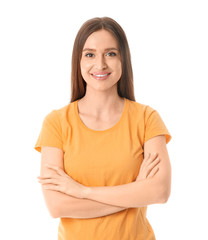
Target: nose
{"type": "Point", "coordinates": [100, 62]}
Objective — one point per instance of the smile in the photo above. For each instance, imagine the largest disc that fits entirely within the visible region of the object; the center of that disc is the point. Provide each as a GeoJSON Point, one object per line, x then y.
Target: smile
{"type": "Point", "coordinates": [100, 76]}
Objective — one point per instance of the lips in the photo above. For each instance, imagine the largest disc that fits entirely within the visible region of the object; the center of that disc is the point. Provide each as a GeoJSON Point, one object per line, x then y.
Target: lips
{"type": "Point", "coordinates": [100, 75]}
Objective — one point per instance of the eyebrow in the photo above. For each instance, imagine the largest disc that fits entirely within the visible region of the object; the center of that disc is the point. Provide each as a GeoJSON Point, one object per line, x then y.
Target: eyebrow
{"type": "Point", "coordinates": [94, 50]}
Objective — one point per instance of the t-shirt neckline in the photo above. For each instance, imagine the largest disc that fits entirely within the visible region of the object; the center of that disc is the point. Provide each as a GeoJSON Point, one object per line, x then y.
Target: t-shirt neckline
{"type": "Point", "coordinates": [100, 131]}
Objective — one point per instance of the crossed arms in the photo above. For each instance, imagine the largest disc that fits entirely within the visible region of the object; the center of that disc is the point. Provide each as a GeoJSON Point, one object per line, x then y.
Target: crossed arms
{"type": "Point", "coordinates": [102, 201]}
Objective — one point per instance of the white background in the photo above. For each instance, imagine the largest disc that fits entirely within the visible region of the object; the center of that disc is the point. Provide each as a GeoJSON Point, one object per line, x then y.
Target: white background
{"type": "Point", "coordinates": [168, 42]}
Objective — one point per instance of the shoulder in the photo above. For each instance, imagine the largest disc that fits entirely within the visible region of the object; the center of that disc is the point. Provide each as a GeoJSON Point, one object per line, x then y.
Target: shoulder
{"type": "Point", "coordinates": [142, 109]}
{"type": "Point", "coordinates": [61, 119]}
{"type": "Point", "coordinates": [57, 114]}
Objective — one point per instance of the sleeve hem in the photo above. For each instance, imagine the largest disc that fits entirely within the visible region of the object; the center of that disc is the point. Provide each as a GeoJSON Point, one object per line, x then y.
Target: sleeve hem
{"type": "Point", "coordinates": [38, 147]}
{"type": "Point", "coordinates": [167, 136]}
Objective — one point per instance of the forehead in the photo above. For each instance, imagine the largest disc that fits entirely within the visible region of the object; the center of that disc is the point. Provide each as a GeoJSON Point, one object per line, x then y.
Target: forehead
{"type": "Point", "coordinates": [101, 39]}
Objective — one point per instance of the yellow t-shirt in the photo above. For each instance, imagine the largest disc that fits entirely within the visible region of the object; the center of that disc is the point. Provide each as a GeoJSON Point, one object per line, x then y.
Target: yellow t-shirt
{"type": "Point", "coordinates": [103, 158]}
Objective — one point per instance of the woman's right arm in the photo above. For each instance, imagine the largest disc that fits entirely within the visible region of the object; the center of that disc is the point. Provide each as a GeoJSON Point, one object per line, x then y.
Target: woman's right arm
{"type": "Point", "coordinates": [64, 206]}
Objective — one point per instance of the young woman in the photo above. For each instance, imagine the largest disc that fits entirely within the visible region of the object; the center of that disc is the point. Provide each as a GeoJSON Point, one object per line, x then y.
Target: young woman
{"type": "Point", "coordinates": [103, 155]}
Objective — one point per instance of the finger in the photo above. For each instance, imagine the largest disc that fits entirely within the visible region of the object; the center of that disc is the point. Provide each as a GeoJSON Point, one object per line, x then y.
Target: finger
{"type": "Point", "coordinates": [45, 177]}
{"type": "Point", "coordinates": [153, 172]}
{"type": "Point", "coordinates": [147, 156]}
{"type": "Point", "coordinates": [56, 169]}
{"type": "Point", "coordinates": [151, 165]}
{"type": "Point", "coordinates": [57, 188]}
{"type": "Point", "coordinates": [154, 163]}
{"type": "Point", "coordinates": [51, 187]}
{"type": "Point", "coordinates": [48, 180]}
{"type": "Point", "coordinates": [147, 160]}
{"type": "Point", "coordinates": [152, 157]}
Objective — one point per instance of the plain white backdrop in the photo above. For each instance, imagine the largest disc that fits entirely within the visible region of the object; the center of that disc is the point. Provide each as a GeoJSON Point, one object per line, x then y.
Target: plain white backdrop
{"type": "Point", "coordinates": [168, 43]}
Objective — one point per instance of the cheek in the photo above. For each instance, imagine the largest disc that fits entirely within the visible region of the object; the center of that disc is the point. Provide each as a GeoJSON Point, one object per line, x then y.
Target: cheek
{"type": "Point", "coordinates": [118, 68]}
{"type": "Point", "coordinates": [85, 66]}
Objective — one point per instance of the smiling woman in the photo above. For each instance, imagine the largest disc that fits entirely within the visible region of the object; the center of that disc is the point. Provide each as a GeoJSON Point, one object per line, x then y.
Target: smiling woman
{"type": "Point", "coordinates": [107, 53]}
{"type": "Point", "coordinates": [99, 61]}
{"type": "Point", "coordinates": [103, 155]}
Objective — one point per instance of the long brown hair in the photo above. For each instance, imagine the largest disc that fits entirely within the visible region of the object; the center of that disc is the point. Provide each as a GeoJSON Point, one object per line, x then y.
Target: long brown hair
{"type": "Point", "coordinates": [125, 84]}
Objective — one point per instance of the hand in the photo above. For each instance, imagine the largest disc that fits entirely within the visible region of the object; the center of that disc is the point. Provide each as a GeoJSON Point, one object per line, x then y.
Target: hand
{"type": "Point", "coordinates": [149, 167]}
{"type": "Point", "coordinates": [59, 181]}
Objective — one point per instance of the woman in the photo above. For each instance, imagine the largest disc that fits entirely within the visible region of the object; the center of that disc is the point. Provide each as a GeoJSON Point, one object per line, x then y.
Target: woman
{"type": "Point", "coordinates": [104, 155]}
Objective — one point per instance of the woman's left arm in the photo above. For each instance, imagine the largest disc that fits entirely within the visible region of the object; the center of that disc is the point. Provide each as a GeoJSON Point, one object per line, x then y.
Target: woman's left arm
{"type": "Point", "coordinates": [140, 193]}
{"type": "Point", "coordinates": [155, 189]}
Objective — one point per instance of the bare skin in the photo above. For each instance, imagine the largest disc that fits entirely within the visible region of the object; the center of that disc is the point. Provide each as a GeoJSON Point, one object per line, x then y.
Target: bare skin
{"type": "Point", "coordinates": [102, 122]}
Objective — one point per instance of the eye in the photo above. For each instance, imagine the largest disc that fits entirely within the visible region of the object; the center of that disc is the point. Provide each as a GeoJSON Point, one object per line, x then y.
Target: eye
{"type": "Point", "coordinates": [89, 54]}
{"type": "Point", "coordinates": [111, 54]}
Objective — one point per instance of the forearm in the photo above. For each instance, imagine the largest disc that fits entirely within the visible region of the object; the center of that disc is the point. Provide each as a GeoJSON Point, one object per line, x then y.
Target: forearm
{"type": "Point", "coordinates": [61, 205]}
{"type": "Point", "coordinates": [131, 195]}
{"type": "Point", "coordinates": [84, 208]}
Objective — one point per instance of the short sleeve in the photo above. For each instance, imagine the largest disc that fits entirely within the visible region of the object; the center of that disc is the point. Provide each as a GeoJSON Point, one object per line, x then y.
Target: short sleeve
{"type": "Point", "coordinates": [154, 125]}
{"type": "Point", "coordinates": [51, 132]}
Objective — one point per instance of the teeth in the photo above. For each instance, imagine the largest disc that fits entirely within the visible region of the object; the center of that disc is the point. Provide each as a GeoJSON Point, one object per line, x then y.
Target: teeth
{"type": "Point", "coordinates": [101, 75]}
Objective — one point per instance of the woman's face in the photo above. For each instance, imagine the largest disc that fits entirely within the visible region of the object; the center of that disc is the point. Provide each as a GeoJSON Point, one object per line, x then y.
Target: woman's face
{"type": "Point", "coordinates": [101, 62]}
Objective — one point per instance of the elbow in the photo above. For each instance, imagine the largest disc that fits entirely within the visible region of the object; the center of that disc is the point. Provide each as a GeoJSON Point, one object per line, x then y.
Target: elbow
{"type": "Point", "coordinates": [52, 201]}
{"type": "Point", "coordinates": [59, 207]}
{"type": "Point", "coordinates": [54, 214]}
{"type": "Point", "coordinates": [163, 189]}
{"type": "Point", "coordinates": [164, 198]}
{"type": "Point", "coordinates": [53, 211]}
{"type": "Point", "coordinates": [52, 206]}
{"type": "Point", "coordinates": [164, 194]}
